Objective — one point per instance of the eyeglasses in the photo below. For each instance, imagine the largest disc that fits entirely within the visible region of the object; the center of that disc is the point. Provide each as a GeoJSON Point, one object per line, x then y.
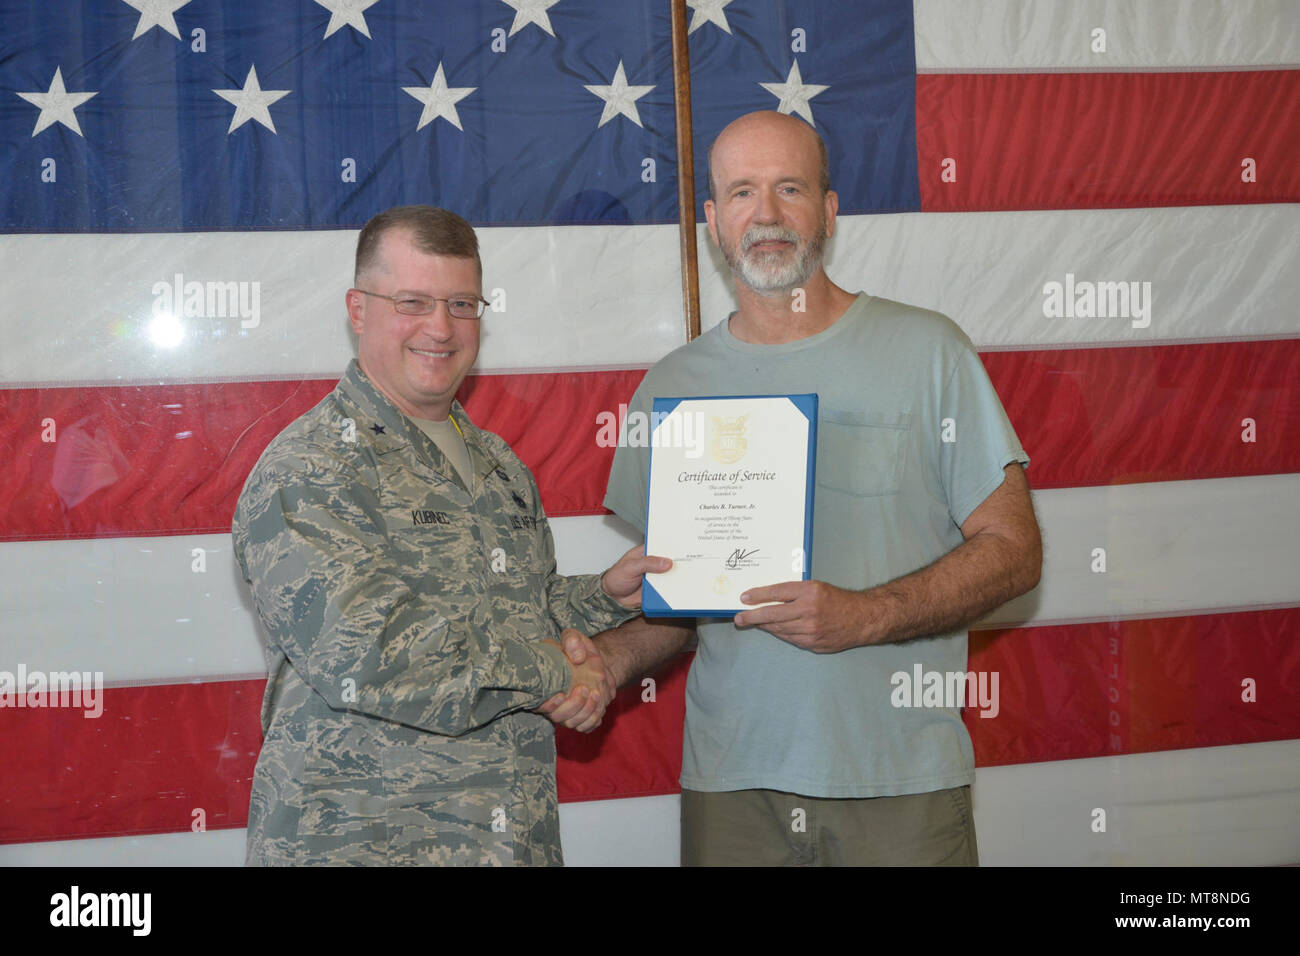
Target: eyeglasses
{"type": "Point", "coordinates": [410, 303]}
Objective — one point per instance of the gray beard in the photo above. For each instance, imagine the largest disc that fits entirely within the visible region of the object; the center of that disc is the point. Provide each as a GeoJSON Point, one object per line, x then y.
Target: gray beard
{"type": "Point", "coordinates": [781, 275]}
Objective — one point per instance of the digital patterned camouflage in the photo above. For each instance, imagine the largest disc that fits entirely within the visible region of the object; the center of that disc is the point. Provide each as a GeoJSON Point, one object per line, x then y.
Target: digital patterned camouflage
{"type": "Point", "coordinates": [404, 615]}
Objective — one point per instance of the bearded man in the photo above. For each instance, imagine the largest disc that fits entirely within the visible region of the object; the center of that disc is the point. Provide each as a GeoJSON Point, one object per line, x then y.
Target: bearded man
{"type": "Point", "coordinates": [795, 749]}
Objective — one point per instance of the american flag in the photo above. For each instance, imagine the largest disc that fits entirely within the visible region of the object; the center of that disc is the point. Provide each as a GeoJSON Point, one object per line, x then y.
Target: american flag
{"type": "Point", "coordinates": [1101, 193]}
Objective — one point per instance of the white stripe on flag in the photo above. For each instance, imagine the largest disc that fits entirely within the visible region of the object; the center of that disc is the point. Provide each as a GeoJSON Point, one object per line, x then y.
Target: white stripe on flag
{"type": "Point", "coordinates": [986, 271]}
{"type": "Point", "coordinates": [134, 609]}
{"type": "Point", "coordinates": [1167, 547]}
{"type": "Point", "coordinates": [140, 614]}
{"type": "Point", "coordinates": [1007, 36]}
{"type": "Point", "coordinates": [593, 295]}
{"type": "Point", "coordinates": [1225, 806]}
{"type": "Point", "coordinates": [1237, 805]}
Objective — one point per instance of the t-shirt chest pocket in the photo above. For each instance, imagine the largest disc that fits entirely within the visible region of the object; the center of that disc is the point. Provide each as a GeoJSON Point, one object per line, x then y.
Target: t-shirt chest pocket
{"type": "Point", "coordinates": [862, 453]}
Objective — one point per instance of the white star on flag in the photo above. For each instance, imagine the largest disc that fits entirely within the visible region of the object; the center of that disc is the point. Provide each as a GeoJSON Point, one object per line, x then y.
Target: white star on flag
{"type": "Point", "coordinates": [794, 94]}
{"type": "Point", "coordinates": [156, 13]}
{"type": "Point", "coordinates": [439, 100]}
{"type": "Point", "coordinates": [347, 13]}
{"type": "Point", "coordinates": [708, 11]}
{"type": "Point", "coordinates": [251, 103]}
{"type": "Point", "coordinates": [57, 104]}
{"type": "Point", "coordinates": [619, 98]}
{"type": "Point", "coordinates": [531, 11]}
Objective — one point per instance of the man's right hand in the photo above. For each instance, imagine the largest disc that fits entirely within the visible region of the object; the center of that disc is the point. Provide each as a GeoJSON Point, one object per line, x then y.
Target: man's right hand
{"type": "Point", "coordinates": [591, 691]}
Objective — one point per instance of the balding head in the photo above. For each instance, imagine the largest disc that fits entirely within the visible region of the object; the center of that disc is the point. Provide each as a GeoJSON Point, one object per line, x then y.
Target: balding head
{"type": "Point", "coordinates": [763, 128]}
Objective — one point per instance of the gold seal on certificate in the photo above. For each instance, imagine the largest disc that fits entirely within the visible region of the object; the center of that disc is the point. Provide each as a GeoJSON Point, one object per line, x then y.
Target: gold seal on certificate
{"type": "Point", "coordinates": [730, 499]}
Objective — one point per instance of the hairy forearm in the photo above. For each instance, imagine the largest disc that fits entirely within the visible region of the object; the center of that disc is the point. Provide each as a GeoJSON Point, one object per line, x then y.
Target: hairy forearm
{"type": "Point", "coordinates": [966, 583]}
{"type": "Point", "coordinates": [640, 646]}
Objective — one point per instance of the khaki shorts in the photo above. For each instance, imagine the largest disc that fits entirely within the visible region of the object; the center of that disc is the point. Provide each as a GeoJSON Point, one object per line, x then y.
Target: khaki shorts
{"type": "Point", "coordinates": [772, 828]}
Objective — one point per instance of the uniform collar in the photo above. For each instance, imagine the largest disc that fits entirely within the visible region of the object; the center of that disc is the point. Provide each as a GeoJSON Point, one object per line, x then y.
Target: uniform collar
{"type": "Point", "coordinates": [388, 428]}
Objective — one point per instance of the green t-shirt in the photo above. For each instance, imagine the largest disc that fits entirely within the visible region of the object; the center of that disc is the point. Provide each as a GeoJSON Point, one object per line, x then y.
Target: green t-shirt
{"type": "Point", "coordinates": [911, 439]}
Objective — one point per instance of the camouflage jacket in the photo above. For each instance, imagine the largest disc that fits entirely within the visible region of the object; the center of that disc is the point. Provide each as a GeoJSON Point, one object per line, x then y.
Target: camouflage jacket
{"type": "Point", "coordinates": [404, 616]}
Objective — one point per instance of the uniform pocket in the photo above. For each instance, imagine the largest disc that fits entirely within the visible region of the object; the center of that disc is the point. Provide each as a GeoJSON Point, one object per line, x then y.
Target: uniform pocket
{"type": "Point", "coordinates": [517, 575]}
{"type": "Point", "coordinates": [451, 826]}
{"type": "Point", "coordinates": [342, 813]}
{"type": "Point", "coordinates": [449, 803]}
{"type": "Point", "coordinates": [861, 454]}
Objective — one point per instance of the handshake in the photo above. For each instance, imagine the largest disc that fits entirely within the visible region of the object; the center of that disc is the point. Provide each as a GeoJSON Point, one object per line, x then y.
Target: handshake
{"type": "Point", "coordinates": [592, 690]}
{"type": "Point", "coordinates": [593, 686]}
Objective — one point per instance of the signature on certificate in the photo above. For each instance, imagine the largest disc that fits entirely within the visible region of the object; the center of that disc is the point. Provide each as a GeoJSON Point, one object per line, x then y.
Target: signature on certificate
{"type": "Point", "coordinates": [739, 555]}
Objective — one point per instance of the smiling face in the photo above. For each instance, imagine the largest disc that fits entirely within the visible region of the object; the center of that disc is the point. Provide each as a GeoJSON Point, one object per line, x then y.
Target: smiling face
{"type": "Point", "coordinates": [417, 361]}
{"type": "Point", "coordinates": [769, 215]}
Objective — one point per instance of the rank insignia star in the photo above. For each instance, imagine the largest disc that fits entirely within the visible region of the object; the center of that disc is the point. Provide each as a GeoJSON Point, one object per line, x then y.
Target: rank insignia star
{"type": "Point", "coordinates": [377, 429]}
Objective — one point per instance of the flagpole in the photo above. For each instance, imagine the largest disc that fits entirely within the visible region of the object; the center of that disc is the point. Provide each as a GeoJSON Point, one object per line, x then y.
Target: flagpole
{"type": "Point", "coordinates": [685, 169]}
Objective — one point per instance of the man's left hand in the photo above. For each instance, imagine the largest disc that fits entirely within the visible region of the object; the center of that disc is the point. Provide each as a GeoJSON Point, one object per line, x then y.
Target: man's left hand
{"type": "Point", "coordinates": [622, 582]}
{"type": "Point", "coordinates": [814, 615]}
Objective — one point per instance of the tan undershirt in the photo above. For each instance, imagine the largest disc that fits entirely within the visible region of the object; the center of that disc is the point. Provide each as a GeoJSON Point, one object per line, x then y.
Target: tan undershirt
{"type": "Point", "coordinates": [451, 444]}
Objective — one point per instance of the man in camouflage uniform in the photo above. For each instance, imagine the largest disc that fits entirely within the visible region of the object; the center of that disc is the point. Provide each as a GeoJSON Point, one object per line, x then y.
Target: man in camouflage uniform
{"type": "Point", "coordinates": [405, 573]}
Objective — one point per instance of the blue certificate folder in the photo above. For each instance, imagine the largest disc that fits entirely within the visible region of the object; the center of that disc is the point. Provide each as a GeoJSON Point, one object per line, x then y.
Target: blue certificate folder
{"type": "Point", "coordinates": [653, 604]}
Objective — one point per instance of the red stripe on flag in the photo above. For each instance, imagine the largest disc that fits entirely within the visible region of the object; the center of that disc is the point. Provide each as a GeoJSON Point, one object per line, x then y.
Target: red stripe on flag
{"type": "Point", "coordinates": [1090, 690]}
{"type": "Point", "coordinates": [152, 757]}
{"type": "Point", "coordinates": [157, 753]}
{"type": "Point", "coordinates": [636, 751]}
{"type": "Point", "coordinates": [1102, 140]}
{"type": "Point", "coordinates": [1152, 413]}
{"type": "Point", "coordinates": [171, 459]}
{"type": "Point", "coordinates": [138, 459]}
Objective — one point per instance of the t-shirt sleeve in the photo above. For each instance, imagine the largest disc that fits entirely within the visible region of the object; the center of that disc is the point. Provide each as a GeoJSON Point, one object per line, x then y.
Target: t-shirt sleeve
{"type": "Point", "coordinates": [977, 441]}
{"type": "Point", "coordinates": [626, 492]}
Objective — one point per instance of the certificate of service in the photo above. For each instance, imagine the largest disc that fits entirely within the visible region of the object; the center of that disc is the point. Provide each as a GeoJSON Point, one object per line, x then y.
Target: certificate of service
{"type": "Point", "coordinates": [730, 499]}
